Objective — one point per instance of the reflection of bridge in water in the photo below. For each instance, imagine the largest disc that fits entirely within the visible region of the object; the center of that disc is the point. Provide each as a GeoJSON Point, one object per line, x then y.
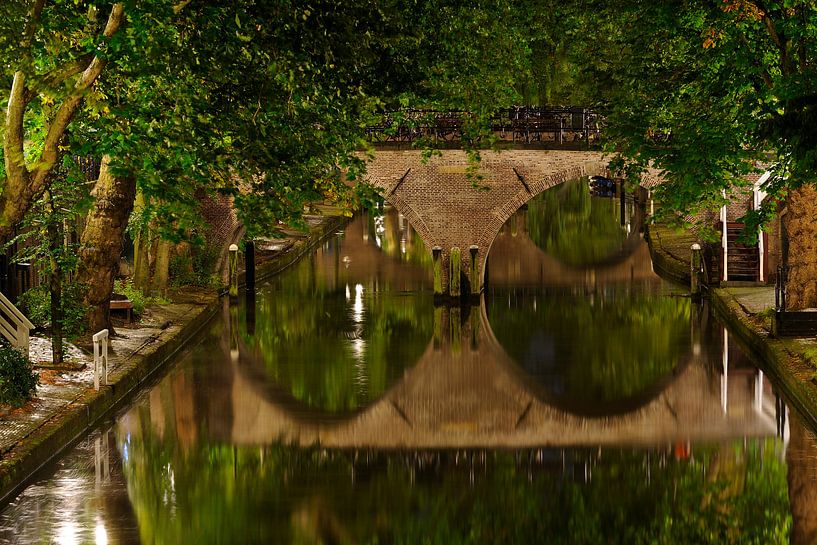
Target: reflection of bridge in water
{"type": "Point", "coordinates": [466, 392]}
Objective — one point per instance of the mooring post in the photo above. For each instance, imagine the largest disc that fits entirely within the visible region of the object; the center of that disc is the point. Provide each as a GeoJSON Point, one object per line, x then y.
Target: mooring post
{"type": "Point", "coordinates": [249, 263]}
{"type": "Point", "coordinates": [454, 259]}
{"type": "Point", "coordinates": [233, 270]}
{"type": "Point", "coordinates": [474, 276]}
{"type": "Point", "coordinates": [695, 270]}
{"type": "Point", "coordinates": [436, 255]}
{"type": "Point", "coordinates": [100, 358]}
{"type": "Point", "coordinates": [623, 201]}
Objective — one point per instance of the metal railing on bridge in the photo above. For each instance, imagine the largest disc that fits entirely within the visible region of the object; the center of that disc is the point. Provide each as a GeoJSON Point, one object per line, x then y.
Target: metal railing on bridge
{"type": "Point", "coordinates": [524, 124]}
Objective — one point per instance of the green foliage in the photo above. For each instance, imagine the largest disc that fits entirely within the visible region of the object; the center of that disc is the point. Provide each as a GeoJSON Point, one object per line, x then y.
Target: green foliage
{"type": "Point", "coordinates": [196, 269]}
{"type": "Point", "coordinates": [37, 305]}
{"type": "Point", "coordinates": [18, 381]}
{"type": "Point", "coordinates": [703, 90]}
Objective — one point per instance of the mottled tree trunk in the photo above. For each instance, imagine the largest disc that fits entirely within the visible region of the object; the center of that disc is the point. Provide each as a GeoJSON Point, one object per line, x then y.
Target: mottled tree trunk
{"type": "Point", "coordinates": [141, 255]}
{"type": "Point", "coordinates": [800, 248]}
{"type": "Point", "coordinates": [101, 244]}
{"type": "Point", "coordinates": [160, 274]}
{"type": "Point", "coordinates": [801, 458]}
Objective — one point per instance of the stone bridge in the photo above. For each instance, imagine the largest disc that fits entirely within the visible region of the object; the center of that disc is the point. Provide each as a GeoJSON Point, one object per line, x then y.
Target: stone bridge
{"type": "Point", "coordinates": [449, 209]}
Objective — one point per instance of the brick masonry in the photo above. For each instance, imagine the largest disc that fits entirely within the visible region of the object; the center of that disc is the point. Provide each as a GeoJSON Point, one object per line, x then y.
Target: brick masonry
{"type": "Point", "coordinates": [448, 209]}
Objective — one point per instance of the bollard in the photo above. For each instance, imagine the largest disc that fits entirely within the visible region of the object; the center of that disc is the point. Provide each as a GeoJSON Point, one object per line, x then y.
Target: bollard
{"type": "Point", "coordinates": [474, 277]}
{"type": "Point", "coordinates": [100, 358]}
{"type": "Point", "coordinates": [233, 270]}
{"type": "Point", "coordinates": [436, 255]}
{"type": "Point", "coordinates": [695, 270]}
{"type": "Point", "coordinates": [249, 263]}
{"type": "Point", "coordinates": [454, 272]}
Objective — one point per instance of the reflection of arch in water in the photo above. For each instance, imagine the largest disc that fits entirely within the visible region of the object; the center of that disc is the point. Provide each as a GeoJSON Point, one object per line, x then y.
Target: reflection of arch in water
{"type": "Point", "coordinates": [485, 381]}
{"type": "Point", "coordinates": [617, 407]}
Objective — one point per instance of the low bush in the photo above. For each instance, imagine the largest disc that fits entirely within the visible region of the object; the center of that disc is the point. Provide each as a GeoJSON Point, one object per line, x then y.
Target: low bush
{"type": "Point", "coordinates": [36, 304]}
{"type": "Point", "coordinates": [17, 377]}
{"type": "Point", "coordinates": [195, 269]}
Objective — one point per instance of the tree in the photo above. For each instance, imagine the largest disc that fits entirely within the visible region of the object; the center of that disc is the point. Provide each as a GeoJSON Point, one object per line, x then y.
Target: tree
{"type": "Point", "coordinates": [267, 102]}
{"type": "Point", "coordinates": [53, 56]}
{"type": "Point", "coordinates": [728, 84]}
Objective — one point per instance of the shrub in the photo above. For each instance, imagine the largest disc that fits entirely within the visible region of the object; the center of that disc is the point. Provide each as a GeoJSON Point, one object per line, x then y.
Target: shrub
{"type": "Point", "coordinates": [17, 378]}
{"type": "Point", "coordinates": [36, 303]}
{"type": "Point", "coordinates": [136, 296]}
{"type": "Point", "coordinates": [194, 269]}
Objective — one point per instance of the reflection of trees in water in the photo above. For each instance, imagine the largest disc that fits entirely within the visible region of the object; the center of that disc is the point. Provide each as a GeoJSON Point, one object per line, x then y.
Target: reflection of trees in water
{"type": "Point", "coordinates": [337, 350]}
{"type": "Point", "coordinates": [575, 228]}
{"type": "Point", "coordinates": [225, 494]}
{"type": "Point", "coordinates": [593, 348]}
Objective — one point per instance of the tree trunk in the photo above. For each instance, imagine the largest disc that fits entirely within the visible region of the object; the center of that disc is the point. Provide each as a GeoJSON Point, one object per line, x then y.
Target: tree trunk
{"type": "Point", "coordinates": [801, 458]}
{"type": "Point", "coordinates": [141, 254]}
{"type": "Point", "coordinates": [101, 244]}
{"type": "Point", "coordinates": [800, 248]}
{"type": "Point", "coordinates": [160, 274]}
{"type": "Point", "coordinates": [55, 240]}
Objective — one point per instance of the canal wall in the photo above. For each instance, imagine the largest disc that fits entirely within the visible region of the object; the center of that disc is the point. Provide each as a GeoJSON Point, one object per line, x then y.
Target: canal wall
{"type": "Point", "coordinates": [668, 262]}
{"type": "Point", "coordinates": [135, 363]}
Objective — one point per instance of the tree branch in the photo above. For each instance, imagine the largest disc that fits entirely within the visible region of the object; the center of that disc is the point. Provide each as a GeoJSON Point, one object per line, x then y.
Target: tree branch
{"type": "Point", "coordinates": [778, 38]}
{"type": "Point", "coordinates": [180, 6]}
{"type": "Point", "coordinates": [14, 137]}
{"type": "Point", "coordinates": [71, 103]}
{"type": "Point", "coordinates": [31, 27]}
{"type": "Point", "coordinates": [58, 75]}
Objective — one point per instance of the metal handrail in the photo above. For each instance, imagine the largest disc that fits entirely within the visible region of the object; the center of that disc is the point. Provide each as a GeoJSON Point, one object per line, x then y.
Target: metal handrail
{"type": "Point", "coordinates": [521, 122]}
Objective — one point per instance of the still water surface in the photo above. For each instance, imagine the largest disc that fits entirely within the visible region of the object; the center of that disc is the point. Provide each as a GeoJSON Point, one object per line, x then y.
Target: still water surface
{"type": "Point", "coordinates": [583, 400]}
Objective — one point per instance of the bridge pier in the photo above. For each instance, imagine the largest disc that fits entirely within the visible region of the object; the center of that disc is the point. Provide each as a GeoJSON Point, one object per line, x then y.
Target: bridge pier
{"type": "Point", "coordinates": [457, 274]}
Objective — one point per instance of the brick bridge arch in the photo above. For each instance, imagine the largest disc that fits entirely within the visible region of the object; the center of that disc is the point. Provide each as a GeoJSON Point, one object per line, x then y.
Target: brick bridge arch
{"type": "Point", "coordinates": [448, 209]}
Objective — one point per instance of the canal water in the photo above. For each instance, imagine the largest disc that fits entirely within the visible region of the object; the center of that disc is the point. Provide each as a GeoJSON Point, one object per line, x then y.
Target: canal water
{"type": "Point", "coordinates": [581, 400]}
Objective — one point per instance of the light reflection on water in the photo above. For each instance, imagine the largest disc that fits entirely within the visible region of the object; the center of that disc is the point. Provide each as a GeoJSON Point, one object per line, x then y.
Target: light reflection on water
{"type": "Point", "coordinates": [354, 411]}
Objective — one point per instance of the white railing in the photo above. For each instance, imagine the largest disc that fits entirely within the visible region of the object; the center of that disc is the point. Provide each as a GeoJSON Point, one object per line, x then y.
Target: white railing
{"type": "Point", "coordinates": [100, 358]}
{"type": "Point", "coordinates": [14, 326]}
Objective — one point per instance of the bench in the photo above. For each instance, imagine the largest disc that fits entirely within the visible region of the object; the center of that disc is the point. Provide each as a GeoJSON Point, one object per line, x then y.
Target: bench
{"type": "Point", "coordinates": [123, 304]}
